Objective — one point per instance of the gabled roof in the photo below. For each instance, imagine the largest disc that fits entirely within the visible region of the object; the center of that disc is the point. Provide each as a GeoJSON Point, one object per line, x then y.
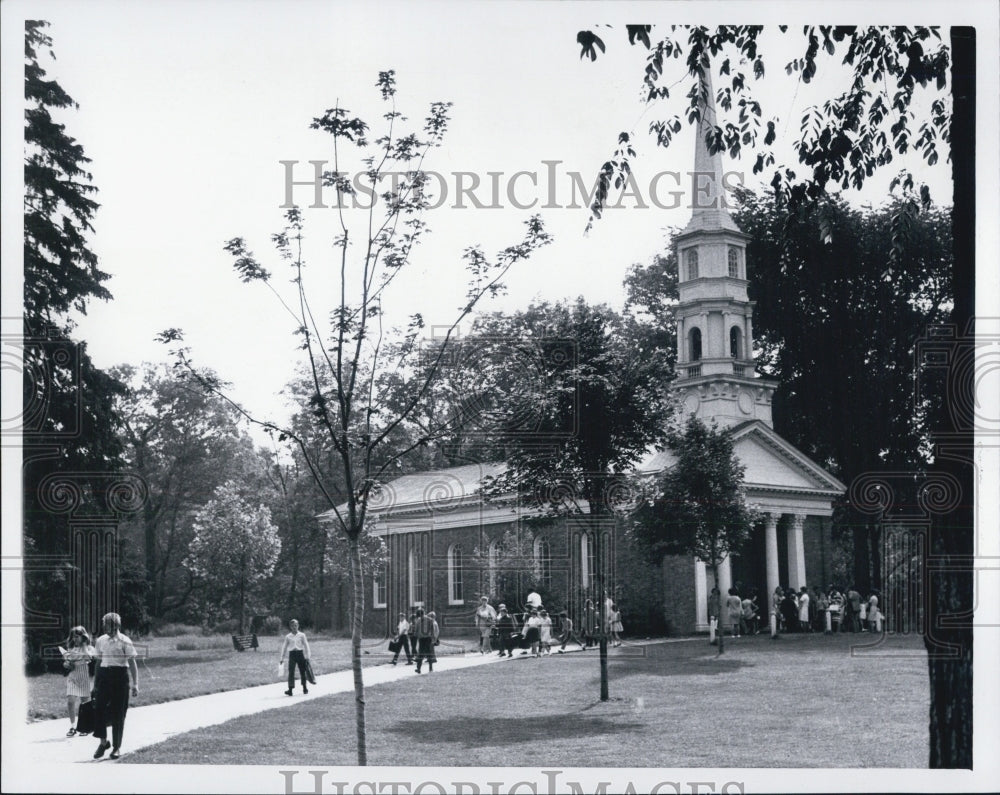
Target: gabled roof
{"type": "Point", "coordinates": [770, 462]}
{"type": "Point", "coordinates": [423, 490]}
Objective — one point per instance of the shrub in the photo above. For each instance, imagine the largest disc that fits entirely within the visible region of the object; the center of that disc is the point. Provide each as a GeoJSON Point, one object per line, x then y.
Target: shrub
{"type": "Point", "coordinates": [270, 626]}
{"type": "Point", "coordinates": [228, 627]}
{"type": "Point", "coordinates": [173, 630]}
{"type": "Point", "coordinates": [201, 644]}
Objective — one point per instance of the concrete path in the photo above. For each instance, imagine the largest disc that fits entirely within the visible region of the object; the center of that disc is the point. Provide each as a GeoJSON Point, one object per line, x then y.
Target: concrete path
{"type": "Point", "coordinates": [46, 742]}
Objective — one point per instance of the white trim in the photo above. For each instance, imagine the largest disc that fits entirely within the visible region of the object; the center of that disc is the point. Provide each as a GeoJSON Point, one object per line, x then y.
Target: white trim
{"type": "Point", "coordinates": [451, 575]}
{"type": "Point", "coordinates": [411, 570]}
{"type": "Point", "coordinates": [376, 604]}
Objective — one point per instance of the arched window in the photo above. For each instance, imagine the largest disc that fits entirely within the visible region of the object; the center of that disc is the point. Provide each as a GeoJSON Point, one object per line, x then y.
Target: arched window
{"type": "Point", "coordinates": [543, 562]}
{"type": "Point", "coordinates": [416, 578]}
{"type": "Point", "coordinates": [455, 593]}
{"type": "Point", "coordinates": [691, 260]}
{"type": "Point", "coordinates": [694, 345]}
{"type": "Point", "coordinates": [735, 343]}
{"type": "Point", "coordinates": [493, 561]}
{"type": "Point", "coordinates": [379, 595]}
{"type": "Point", "coordinates": [588, 561]}
{"type": "Point", "coordinates": [734, 262]}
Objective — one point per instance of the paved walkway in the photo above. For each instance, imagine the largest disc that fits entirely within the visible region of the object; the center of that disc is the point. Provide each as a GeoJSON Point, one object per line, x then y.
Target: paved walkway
{"type": "Point", "coordinates": [46, 741]}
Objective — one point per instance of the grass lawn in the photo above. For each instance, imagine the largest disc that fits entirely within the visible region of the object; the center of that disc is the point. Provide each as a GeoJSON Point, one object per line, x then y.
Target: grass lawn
{"type": "Point", "coordinates": [801, 701]}
{"type": "Point", "coordinates": [207, 665]}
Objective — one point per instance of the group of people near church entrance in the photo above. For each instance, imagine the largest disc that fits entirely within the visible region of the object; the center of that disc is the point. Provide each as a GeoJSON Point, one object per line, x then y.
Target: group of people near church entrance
{"type": "Point", "coordinates": [805, 610]}
{"type": "Point", "coordinates": [534, 631]}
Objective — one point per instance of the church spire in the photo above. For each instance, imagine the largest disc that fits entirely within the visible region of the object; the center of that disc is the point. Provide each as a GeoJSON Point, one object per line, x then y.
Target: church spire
{"type": "Point", "coordinates": [708, 199]}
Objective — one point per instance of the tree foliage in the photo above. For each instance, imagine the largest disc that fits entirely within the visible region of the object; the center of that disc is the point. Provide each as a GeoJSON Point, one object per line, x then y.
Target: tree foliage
{"type": "Point", "coordinates": [71, 452]}
{"type": "Point", "coordinates": [841, 143]}
{"type": "Point", "coordinates": [233, 549]}
{"type": "Point", "coordinates": [587, 403]}
{"type": "Point", "coordinates": [183, 443]}
{"type": "Point", "coordinates": [698, 506]}
{"type": "Point", "coordinates": [347, 356]}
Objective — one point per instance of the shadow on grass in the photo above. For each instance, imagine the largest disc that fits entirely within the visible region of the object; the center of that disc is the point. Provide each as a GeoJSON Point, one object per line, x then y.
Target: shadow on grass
{"type": "Point", "coordinates": [499, 732]}
{"type": "Point", "coordinates": [657, 660]}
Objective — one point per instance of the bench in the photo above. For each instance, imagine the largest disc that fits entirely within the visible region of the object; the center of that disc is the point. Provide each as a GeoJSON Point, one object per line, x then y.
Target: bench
{"type": "Point", "coordinates": [244, 642]}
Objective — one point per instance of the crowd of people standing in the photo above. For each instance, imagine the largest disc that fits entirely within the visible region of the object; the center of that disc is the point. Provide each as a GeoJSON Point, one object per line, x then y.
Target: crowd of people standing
{"type": "Point", "coordinates": [534, 631]}
{"type": "Point", "coordinates": [803, 610]}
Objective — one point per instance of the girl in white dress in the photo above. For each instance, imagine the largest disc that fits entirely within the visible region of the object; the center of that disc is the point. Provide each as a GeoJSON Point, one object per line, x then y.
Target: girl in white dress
{"type": "Point", "coordinates": [75, 659]}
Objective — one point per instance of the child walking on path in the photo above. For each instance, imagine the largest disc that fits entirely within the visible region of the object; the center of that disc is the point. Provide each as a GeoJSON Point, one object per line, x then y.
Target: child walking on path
{"type": "Point", "coordinates": [76, 659]}
{"type": "Point", "coordinates": [616, 625]}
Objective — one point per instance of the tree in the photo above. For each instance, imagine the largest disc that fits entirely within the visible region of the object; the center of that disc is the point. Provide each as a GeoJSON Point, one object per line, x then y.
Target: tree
{"type": "Point", "coordinates": [234, 549]}
{"type": "Point", "coordinates": [845, 142]}
{"type": "Point", "coordinates": [837, 326]}
{"type": "Point", "coordinates": [842, 143]}
{"type": "Point", "coordinates": [568, 437]}
{"type": "Point", "coordinates": [346, 359]}
{"type": "Point", "coordinates": [698, 507]}
{"type": "Point", "coordinates": [183, 443]}
{"type": "Point", "coordinates": [69, 440]}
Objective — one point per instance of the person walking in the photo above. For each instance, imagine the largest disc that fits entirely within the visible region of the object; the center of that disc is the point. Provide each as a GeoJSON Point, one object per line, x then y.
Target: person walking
{"type": "Point", "coordinates": [426, 629]}
{"type": "Point", "coordinates": [853, 608]}
{"type": "Point", "coordinates": [507, 628]}
{"type": "Point", "coordinates": [591, 623]}
{"type": "Point", "coordinates": [566, 633]}
{"type": "Point", "coordinates": [76, 659]}
{"type": "Point", "coordinates": [532, 633]}
{"type": "Point", "coordinates": [805, 625]}
{"type": "Point", "coordinates": [296, 646]}
{"type": "Point", "coordinates": [616, 625]}
{"type": "Point", "coordinates": [411, 633]}
{"type": "Point", "coordinates": [116, 654]}
{"type": "Point", "coordinates": [734, 612]}
{"type": "Point", "coordinates": [486, 617]}
{"type": "Point", "coordinates": [546, 632]}
{"type": "Point", "coordinates": [714, 610]}
{"type": "Point", "coordinates": [403, 639]}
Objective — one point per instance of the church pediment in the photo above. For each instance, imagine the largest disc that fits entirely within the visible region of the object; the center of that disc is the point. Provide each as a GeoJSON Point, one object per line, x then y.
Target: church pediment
{"type": "Point", "coordinates": [773, 463]}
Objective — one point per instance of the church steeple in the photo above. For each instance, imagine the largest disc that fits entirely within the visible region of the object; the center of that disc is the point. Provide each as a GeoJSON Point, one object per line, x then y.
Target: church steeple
{"type": "Point", "coordinates": [708, 200]}
{"type": "Point", "coordinates": [716, 378]}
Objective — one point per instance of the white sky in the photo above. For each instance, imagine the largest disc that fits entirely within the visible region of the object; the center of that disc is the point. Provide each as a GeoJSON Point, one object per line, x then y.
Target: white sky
{"type": "Point", "coordinates": [187, 107]}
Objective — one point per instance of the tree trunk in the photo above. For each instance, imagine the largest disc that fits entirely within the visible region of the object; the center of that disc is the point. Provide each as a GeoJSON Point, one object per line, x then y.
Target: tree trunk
{"type": "Point", "coordinates": [715, 573]}
{"type": "Point", "coordinates": [243, 593]}
{"type": "Point", "coordinates": [357, 582]}
{"type": "Point", "coordinates": [949, 666]}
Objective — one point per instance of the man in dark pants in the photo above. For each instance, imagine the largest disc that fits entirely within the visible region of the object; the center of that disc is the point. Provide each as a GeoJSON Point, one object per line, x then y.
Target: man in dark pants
{"type": "Point", "coordinates": [411, 635]}
{"type": "Point", "coordinates": [426, 632]}
{"type": "Point", "coordinates": [506, 626]}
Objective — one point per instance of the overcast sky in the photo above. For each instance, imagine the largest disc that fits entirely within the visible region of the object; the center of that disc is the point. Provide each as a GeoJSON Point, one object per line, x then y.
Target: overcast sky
{"type": "Point", "coordinates": [187, 108]}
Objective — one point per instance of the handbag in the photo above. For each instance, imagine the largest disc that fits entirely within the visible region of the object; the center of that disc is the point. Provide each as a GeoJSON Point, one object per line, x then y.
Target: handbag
{"type": "Point", "coordinates": [86, 719]}
{"type": "Point", "coordinates": [281, 670]}
{"type": "Point", "coordinates": [395, 645]}
{"type": "Point", "coordinates": [309, 672]}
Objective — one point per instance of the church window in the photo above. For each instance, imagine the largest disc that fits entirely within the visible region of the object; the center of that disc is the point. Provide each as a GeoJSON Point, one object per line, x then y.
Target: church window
{"type": "Point", "coordinates": [694, 345]}
{"type": "Point", "coordinates": [588, 561]}
{"type": "Point", "coordinates": [691, 260]}
{"type": "Point", "coordinates": [455, 594]}
{"type": "Point", "coordinates": [543, 562]}
{"type": "Point", "coordinates": [735, 343]}
{"type": "Point", "coordinates": [380, 595]}
{"type": "Point", "coordinates": [734, 262]}
{"type": "Point", "coordinates": [416, 579]}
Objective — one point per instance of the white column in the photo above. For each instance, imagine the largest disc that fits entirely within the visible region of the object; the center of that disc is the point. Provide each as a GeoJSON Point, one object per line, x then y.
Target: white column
{"type": "Point", "coordinates": [796, 553]}
{"type": "Point", "coordinates": [725, 577]}
{"type": "Point", "coordinates": [771, 551]}
{"type": "Point", "coordinates": [682, 353]}
{"type": "Point", "coordinates": [700, 596]}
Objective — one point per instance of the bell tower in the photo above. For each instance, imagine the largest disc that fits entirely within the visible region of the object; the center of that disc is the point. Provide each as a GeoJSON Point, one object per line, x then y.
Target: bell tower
{"type": "Point", "coordinates": [716, 376]}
